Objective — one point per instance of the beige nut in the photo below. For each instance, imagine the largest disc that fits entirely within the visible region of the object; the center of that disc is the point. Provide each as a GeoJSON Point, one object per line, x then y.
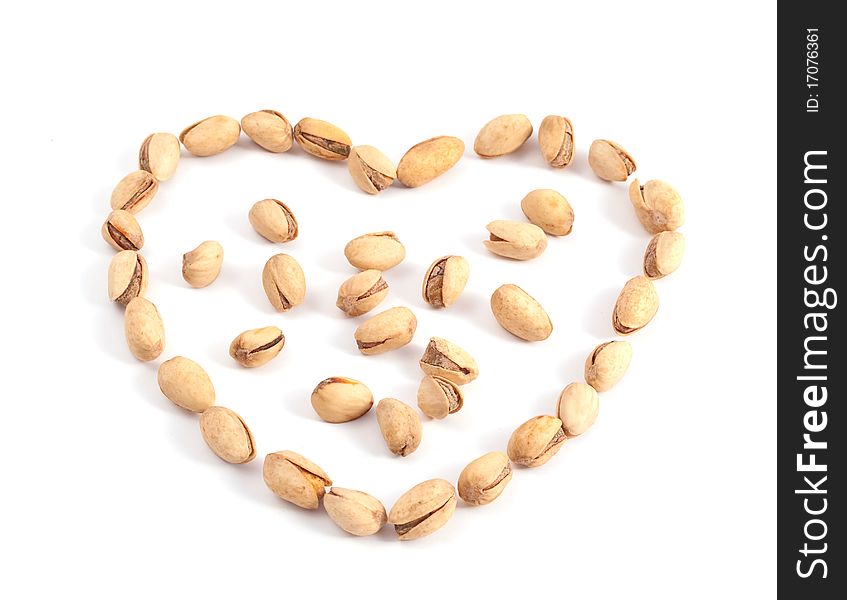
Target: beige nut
{"type": "Point", "coordinates": [555, 138]}
{"type": "Point", "coordinates": [122, 231]}
{"type": "Point", "coordinates": [295, 478]}
{"type": "Point", "coordinates": [269, 129]}
{"type": "Point", "coordinates": [227, 435]}
{"type": "Point", "coordinates": [127, 277]}
{"type": "Point", "coordinates": [255, 347]}
{"type": "Point", "coordinates": [134, 192]}
{"type": "Point", "coordinates": [341, 399]}
{"type": "Point", "coordinates": [322, 139]}
{"type": "Point", "coordinates": [400, 426]}
{"type": "Point", "coordinates": [284, 282]}
{"type": "Point", "coordinates": [502, 135]}
{"type": "Point", "coordinates": [445, 359]}
{"type": "Point", "coordinates": [362, 292]}
{"type": "Point", "coordinates": [386, 331]}
{"type": "Point", "coordinates": [609, 161]}
{"type": "Point", "coordinates": [439, 397]}
{"type": "Point", "coordinates": [664, 254]}
{"type": "Point", "coordinates": [201, 266]}
{"type": "Point", "coordinates": [380, 250]}
{"type": "Point", "coordinates": [273, 220]}
{"type": "Point", "coordinates": [427, 160]}
{"type": "Point", "coordinates": [485, 478]}
{"type": "Point", "coordinates": [210, 136]}
{"type": "Point", "coordinates": [186, 384]}
{"type": "Point", "coordinates": [423, 509]}
{"type": "Point", "coordinates": [578, 407]}
{"type": "Point", "coordinates": [520, 314]}
{"type": "Point", "coordinates": [657, 205]}
{"type": "Point", "coordinates": [372, 170]}
{"type": "Point", "coordinates": [549, 210]}
{"type": "Point", "coordinates": [355, 512]}
{"type": "Point", "coordinates": [445, 280]}
{"type": "Point", "coordinates": [144, 330]}
{"type": "Point", "coordinates": [515, 239]}
{"type": "Point", "coordinates": [607, 364]}
{"type": "Point", "coordinates": [159, 154]}
{"type": "Point", "coordinates": [536, 441]}
{"type": "Point", "coordinates": [636, 305]}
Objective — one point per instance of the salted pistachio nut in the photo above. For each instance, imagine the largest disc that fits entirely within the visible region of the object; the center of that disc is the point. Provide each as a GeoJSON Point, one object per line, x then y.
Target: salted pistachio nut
{"type": "Point", "coordinates": [322, 139]}
{"type": "Point", "coordinates": [211, 135]}
{"type": "Point", "coordinates": [502, 135]}
{"type": "Point", "coordinates": [609, 161]}
{"type": "Point", "coordinates": [577, 408]}
{"type": "Point", "coordinates": [159, 155]}
{"type": "Point", "coordinates": [400, 426]}
{"type": "Point", "coordinates": [429, 159]}
{"type": "Point", "coordinates": [657, 205]}
{"type": "Point", "coordinates": [227, 435]}
{"type": "Point", "coordinates": [186, 384]}
{"type": "Point", "coordinates": [520, 314]}
{"type": "Point", "coordinates": [444, 359]}
{"type": "Point", "coordinates": [445, 280]}
{"type": "Point", "coordinates": [636, 305]}
{"type": "Point", "coordinates": [201, 266]}
{"type": "Point", "coordinates": [485, 478]}
{"type": "Point", "coordinates": [370, 169]}
{"type": "Point", "coordinates": [555, 138]}
{"type": "Point", "coordinates": [664, 254]}
{"type": "Point", "coordinates": [295, 478]}
{"type": "Point", "coordinates": [355, 512]}
{"type": "Point", "coordinates": [341, 399]}
{"type": "Point", "coordinates": [122, 231]}
{"type": "Point", "coordinates": [439, 397]}
{"type": "Point", "coordinates": [127, 278]}
{"type": "Point", "coordinates": [549, 210]}
{"type": "Point", "coordinates": [536, 441]}
{"type": "Point", "coordinates": [134, 192]}
{"type": "Point", "coordinates": [269, 129]}
{"type": "Point", "coordinates": [386, 331]}
{"type": "Point", "coordinates": [273, 220]}
{"type": "Point", "coordinates": [362, 292]}
{"type": "Point", "coordinates": [423, 510]}
{"type": "Point", "coordinates": [607, 364]}
{"type": "Point", "coordinates": [515, 239]}
{"type": "Point", "coordinates": [144, 330]}
{"type": "Point", "coordinates": [255, 347]}
{"type": "Point", "coordinates": [380, 250]}
{"type": "Point", "coordinates": [284, 282]}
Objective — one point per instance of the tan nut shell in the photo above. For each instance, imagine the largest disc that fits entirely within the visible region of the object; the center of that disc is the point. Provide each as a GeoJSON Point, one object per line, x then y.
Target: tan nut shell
{"type": "Point", "coordinates": [159, 154]}
{"type": "Point", "coordinates": [386, 331]}
{"type": "Point", "coordinates": [609, 161]}
{"type": "Point", "coordinates": [269, 129]}
{"type": "Point", "coordinates": [322, 139]}
{"type": "Point", "coordinates": [664, 254]}
{"type": "Point", "coordinates": [201, 266]}
{"type": "Point", "coordinates": [637, 304]}
{"type": "Point", "coordinates": [380, 250]}
{"type": "Point", "coordinates": [657, 205]}
{"type": "Point", "coordinates": [549, 210]}
{"type": "Point", "coordinates": [607, 364]}
{"type": "Point", "coordinates": [485, 478]}
{"type": "Point", "coordinates": [127, 278]}
{"type": "Point", "coordinates": [255, 347]}
{"type": "Point", "coordinates": [273, 220]}
{"type": "Point", "coordinates": [536, 441]}
{"type": "Point", "coordinates": [423, 509]}
{"type": "Point", "coordinates": [355, 512]}
{"type": "Point", "coordinates": [502, 135]}
{"type": "Point", "coordinates": [439, 397]}
{"type": "Point", "coordinates": [341, 399]}
{"type": "Point", "coordinates": [134, 192]}
{"type": "Point", "coordinates": [400, 426]}
{"type": "Point", "coordinates": [515, 239]}
{"type": "Point", "coordinates": [427, 160]}
{"type": "Point", "coordinates": [445, 280]}
{"type": "Point", "coordinates": [445, 359]}
{"type": "Point", "coordinates": [295, 478]}
{"type": "Point", "coordinates": [284, 282]}
{"type": "Point", "coordinates": [520, 314]}
{"type": "Point", "coordinates": [186, 384]}
{"type": "Point", "coordinates": [122, 231]}
{"type": "Point", "coordinates": [555, 138]}
{"type": "Point", "coordinates": [362, 292]}
{"type": "Point", "coordinates": [578, 407]}
{"type": "Point", "coordinates": [227, 435]}
{"type": "Point", "coordinates": [210, 136]}
{"type": "Point", "coordinates": [144, 330]}
{"type": "Point", "coordinates": [372, 170]}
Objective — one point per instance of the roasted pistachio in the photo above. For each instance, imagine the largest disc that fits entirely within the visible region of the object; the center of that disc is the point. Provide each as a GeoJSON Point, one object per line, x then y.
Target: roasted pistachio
{"type": "Point", "coordinates": [609, 161]}
{"type": "Point", "coordinates": [159, 154]}
{"type": "Point", "coordinates": [445, 359]}
{"type": "Point", "coordinates": [380, 250]}
{"type": "Point", "coordinates": [423, 509]}
{"type": "Point", "coordinates": [636, 305]}
{"type": "Point", "coordinates": [445, 280]}
{"type": "Point", "coordinates": [502, 135]}
{"type": "Point", "coordinates": [372, 170]}
{"type": "Point", "coordinates": [664, 254]}
{"type": "Point", "coordinates": [536, 441]}
{"type": "Point", "coordinates": [186, 384]}
{"type": "Point", "coordinates": [284, 282]}
{"type": "Point", "coordinates": [322, 139]}
{"type": "Point", "coordinates": [134, 192]}
{"type": "Point", "coordinates": [144, 330]}
{"type": "Point", "coordinates": [273, 220]}
{"type": "Point", "coordinates": [341, 399]}
{"type": "Point", "coordinates": [269, 129]}
{"type": "Point", "coordinates": [607, 363]}
{"type": "Point", "coordinates": [549, 210]}
{"type": "Point", "coordinates": [515, 239]}
{"type": "Point", "coordinates": [485, 478]}
{"type": "Point", "coordinates": [577, 408]}
{"type": "Point", "coordinates": [520, 314]}
{"type": "Point", "coordinates": [255, 347]}
{"type": "Point", "coordinates": [362, 292]}
{"type": "Point", "coordinates": [210, 136]}
{"type": "Point", "coordinates": [658, 205]}
{"type": "Point", "coordinates": [400, 426]}
{"type": "Point", "coordinates": [427, 160]}
{"type": "Point", "coordinates": [439, 397]}
{"type": "Point", "coordinates": [555, 137]}
{"type": "Point", "coordinates": [388, 330]}
{"type": "Point", "coordinates": [295, 478]}
{"type": "Point", "coordinates": [127, 276]}
{"type": "Point", "coordinates": [354, 511]}
{"type": "Point", "coordinates": [122, 231]}
{"type": "Point", "coordinates": [201, 266]}
{"type": "Point", "coordinates": [227, 435]}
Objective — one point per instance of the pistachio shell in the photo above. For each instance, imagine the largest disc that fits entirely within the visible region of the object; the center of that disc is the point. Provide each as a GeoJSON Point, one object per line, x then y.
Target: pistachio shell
{"type": "Point", "coordinates": [227, 435]}
{"type": "Point", "coordinates": [269, 129]}
{"type": "Point", "coordinates": [210, 136]}
{"type": "Point", "coordinates": [427, 160]}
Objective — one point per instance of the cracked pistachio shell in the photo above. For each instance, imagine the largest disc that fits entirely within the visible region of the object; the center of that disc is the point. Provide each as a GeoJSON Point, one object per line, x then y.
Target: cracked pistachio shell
{"type": "Point", "coordinates": [380, 250]}
{"type": "Point", "coordinates": [362, 292]}
{"type": "Point", "coordinates": [502, 135]}
{"type": "Point", "coordinates": [372, 170]}
{"type": "Point", "coordinates": [340, 399]}
{"type": "Point", "coordinates": [555, 138]}
{"type": "Point", "coordinates": [210, 136]}
{"type": "Point", "coordinates": [186, 384]}
{"type": "Point", "coordinates": [122, 231]}
{"type": "Point", "coordinates": [284, 282]}
{"type": "Point", "coordinates": [386, 331]}
{"type": "Point", "coordinates": [227, 435]}
{"type": "Point", "coordinates": [664, 254]}
{"type": "Point", "coordinates": [427, 160]}
{"type": "Point", "coordinates": [485, 478]}
{"type": "Point", "coordinates": [549, 210]}
{"type": "Point", "coordinates": [578, 407]}
{"type": "Point", "coordinates": [636, 305]}
{"type": "Point", "coordinates": [520, 314]}
{"type": "Point", "coordinates": [536, 441]}
{"type": "Point", "coordinates": [445, 359]}
{"type": "Point", "coordinates": [445, 280]}
{"type": "Point", "coordinates": [609, 161]}
{"type": "Point", "coordinates": [439, 397]}
{"type": "Point", "coordinates": [273, 220]}
{"type": "Point", "coordinates": [515, 239]}
{"type": "Point", "coordinates": [355, 512]}
{"type": "Point", "coordinates": [255, 347]}
{"type": "Point", "coordinates": [269, 129]}
{"type": "Point", "coordinates": [134, 192]}
{"type": "Point", "coordinates": [322, 139]}
{"type": "Point", "coordinates": [657, 205]}
{"type": "Point", "coordinates": [127, 277]}
{"type": "Point", "coordinates": [423, 509]}
{"type": "Point", "coordinates": [400, 426]}
{"type": "Point", "coordinates": [201, 266]}
{"type": "Point", "coordinates": [144, 330]}
{"type": "Point", "coordinates": [607, 364]}
{"type": "Point", "coordinates": [159, 155]}
{"type": "Point", "coordinates": [295, 478]}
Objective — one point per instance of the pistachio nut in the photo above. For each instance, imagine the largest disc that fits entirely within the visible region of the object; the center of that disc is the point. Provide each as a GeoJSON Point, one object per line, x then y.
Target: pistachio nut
{"type": "Point", "coordinates": [400, 426]}
{"type": "Point", "coordinates": [372, 170]}
{"type": "Point", "coordinates": [322, 139]}
{"type": "Point", "coordinates": [186, 384]}
{"type": "Point", "coordinates": [515, 239]}
{"type": "Point", "coordinates": [609, 161]}
{"type": "Point", "coordinates": [636, 305]}
{"type": "Point", "coordinates": [159, 155]}
{"type": "Point", "coordinates": [362, 292]}
{"type": "Point", "coordinates": [439, 397]}
{"type": "Point", "coordinates": [295, 478]}
{"type": "Point", "coordinates": [664, 254]}
{"type": "Point", "coordinates": [380, 250]}
{"type": "Point", "coordinates": [555, 138]}
{"type": "Point", "coordinates": [340, 399]}
{"type": "Point", "coordinates": [607, 364]}
{"type": "Point", "coordinates": [269, 129]}
{"type": "Point", "coordinates": [273, 220]}
{"type": "Point", "coordinates": [427, 160]}
{"type": "Point", "coordinates": [134, 192]}
{"type": "Point", "coordinates": [355, 512]}
{"type": "Point", "coordinates": [127, 276]}
{"type": "Point", "coordinates": [255, 347]}
{"type": "Point", "coordinates": [445, 359]}
{"type": "Point", "coordinates": [144, 330]}
{"type": "Point", "coordinates": [520, 314]}
{"type": "Point", "coordinates": [549, 210]}
{"type": "Point", "coordinates": [577, 408]}
{"type": "Point", "coordinates": [502, 135]}
{"type": "Point", "coordinates": [227, 435]}
{"type": "Point", "coordinates": [284, 282]}
{"type": "Point", "coordinates": [122, 231]}
{"type": "Point", "coordinates": [485, 478]}
{"type": "Point", "coordinates": [657, 205]}
{"type": "Point", "coordinates": [445, 280]}
{"type": "Point", "coordinates": [423, 509]}
{"type": "Point", "coordinates": [201, 266]}
{"type": "Point", "coordinates": [210, 136]}
{"type": "Point", "coordinates": [536, 441]}
{"type": "Point", "coordinates": [388, 330]}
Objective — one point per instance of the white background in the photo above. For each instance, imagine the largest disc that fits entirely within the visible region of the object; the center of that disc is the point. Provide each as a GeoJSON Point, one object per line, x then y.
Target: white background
{"type": "Point", "coordinates": [110, 491]}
